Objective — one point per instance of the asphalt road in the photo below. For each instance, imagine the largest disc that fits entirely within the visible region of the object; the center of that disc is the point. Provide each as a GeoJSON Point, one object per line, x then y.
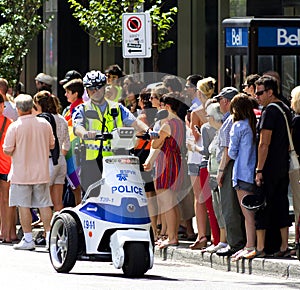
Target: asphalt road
{"type": "Point", "coordinates": [33, 270]}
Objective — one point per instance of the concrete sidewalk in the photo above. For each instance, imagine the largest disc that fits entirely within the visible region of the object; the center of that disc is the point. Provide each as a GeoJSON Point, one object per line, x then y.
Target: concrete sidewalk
{"type": "Point", "coordinates": [270, 266]}
{"type": "Point", "coordinates": [279, 267]}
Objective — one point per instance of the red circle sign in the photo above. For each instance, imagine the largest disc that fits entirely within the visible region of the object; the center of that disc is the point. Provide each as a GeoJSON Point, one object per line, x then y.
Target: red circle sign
{"type": "Point", "coordinates": [134, 24]}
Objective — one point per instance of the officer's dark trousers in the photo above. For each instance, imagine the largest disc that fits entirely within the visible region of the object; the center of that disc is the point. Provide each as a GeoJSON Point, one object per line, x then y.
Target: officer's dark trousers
{"type": "Point", "coordinates": [89, 174]}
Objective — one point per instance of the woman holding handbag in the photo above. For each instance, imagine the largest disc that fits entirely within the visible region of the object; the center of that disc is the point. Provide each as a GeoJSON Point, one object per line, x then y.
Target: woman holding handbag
{"type": "Point", "coordinates": [242, 149]}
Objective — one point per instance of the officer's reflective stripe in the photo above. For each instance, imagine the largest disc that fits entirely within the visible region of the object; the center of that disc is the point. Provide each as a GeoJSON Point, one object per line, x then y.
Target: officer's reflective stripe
{"type": "Point", "coordinates": [96, 147]}
{"type": "Point", "coordinates": [92, 146]}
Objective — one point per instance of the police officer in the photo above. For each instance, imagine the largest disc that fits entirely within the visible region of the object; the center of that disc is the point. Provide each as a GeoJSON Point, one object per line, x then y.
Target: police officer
{"type": "Point", "coordinates": [110, 115]}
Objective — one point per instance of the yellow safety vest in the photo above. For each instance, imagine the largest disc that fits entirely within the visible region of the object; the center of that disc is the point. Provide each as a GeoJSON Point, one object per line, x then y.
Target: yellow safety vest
{"type": "Point", "coordinates": [119, 93]}
{"type": "Point", "coordinates": [92, 146]}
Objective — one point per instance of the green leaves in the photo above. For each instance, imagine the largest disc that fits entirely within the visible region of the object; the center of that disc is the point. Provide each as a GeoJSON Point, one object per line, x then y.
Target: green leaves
{"type": "Point", "coordinates": [163, 22]}
{"type": "Point", "coordinates": [103, 19]}
{"type": "Point", "coordinates": [22, 23]}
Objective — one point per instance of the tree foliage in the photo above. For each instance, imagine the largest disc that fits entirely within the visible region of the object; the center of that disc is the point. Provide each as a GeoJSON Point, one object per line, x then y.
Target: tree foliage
{"type": "Point", "coordinates": [103, 19]}
{"type": "Point", "coordinates": [21, 22]}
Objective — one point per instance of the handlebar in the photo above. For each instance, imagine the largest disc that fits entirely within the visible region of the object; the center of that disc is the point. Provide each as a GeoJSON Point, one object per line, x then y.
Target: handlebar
{"type": "Point", "coordinates": [149, 136]}
{"type": "Point", "coordinates": [99, 136]}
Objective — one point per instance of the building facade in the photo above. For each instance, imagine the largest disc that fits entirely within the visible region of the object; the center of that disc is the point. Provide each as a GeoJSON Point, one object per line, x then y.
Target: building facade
{"type": "Point", "coordinates": [198, 35]}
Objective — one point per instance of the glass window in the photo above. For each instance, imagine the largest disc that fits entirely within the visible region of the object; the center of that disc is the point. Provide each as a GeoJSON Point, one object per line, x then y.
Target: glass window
{"type": "Point", "coordinates": [289, 73]}
{"type": "Point", "coordinates": [286, 65]}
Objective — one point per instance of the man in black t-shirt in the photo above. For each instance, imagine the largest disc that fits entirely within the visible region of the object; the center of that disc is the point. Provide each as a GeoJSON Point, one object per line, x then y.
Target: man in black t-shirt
{"type": "Point", "coordinates": [272, 168]}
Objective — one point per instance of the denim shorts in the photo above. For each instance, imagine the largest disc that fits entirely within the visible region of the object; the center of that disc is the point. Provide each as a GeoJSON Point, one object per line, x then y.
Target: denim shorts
{"type": "Point", "coordinates": [242, 185]}
{"type": "Point", "coordinates": [193, 169]}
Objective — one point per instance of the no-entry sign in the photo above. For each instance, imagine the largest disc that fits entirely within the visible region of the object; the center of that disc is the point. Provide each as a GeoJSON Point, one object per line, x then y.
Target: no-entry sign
{"type": "Point", "coordinates": [136, 35]}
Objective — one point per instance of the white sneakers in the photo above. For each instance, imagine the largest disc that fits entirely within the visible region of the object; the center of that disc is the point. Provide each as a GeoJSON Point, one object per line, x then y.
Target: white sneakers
{"type": "Point", "coordinates": [47, 243]}
{"type": "Point", "coordinates": [212, 248]}
{"type": "Point", "coordinates": [24, 245]}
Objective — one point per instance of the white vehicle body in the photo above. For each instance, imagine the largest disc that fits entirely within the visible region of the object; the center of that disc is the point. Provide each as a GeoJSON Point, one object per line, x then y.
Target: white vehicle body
{"type": "Point", "coordinates": [113, 226]}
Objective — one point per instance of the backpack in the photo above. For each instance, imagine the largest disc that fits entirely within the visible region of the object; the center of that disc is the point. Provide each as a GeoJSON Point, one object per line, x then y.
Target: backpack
{"type": "Point", "coordinates": [56, 151]}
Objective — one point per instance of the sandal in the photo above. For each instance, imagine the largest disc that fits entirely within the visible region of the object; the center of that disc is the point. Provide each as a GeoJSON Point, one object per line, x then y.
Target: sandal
{"type": "Point", "coordinates": [238, 255]}
{"type": "Point", "coordinates": [200, 244]}
{"type": "Point", "coordinates": [242, 254]}
{"type": "Point", "coordinates": [160, 239]}
{"type": "Point", "coordinates": [255, 254]}
{"type": "Point", "coordinates": [14, 241]}
{"type": "Point", "coordinates": [283, 254]}
{"type": "Point", "coordinates": [166, 244]}
{"type": "Point", "coordinates": [191, 237]}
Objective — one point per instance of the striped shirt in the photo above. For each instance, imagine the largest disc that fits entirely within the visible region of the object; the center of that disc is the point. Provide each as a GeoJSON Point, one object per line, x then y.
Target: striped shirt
{"type": "Point", "coordinates": [225, 131]}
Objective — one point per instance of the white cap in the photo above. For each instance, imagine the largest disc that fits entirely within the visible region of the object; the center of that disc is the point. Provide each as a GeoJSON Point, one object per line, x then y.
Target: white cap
{"type": "Point", "coordinates": [43, 78]}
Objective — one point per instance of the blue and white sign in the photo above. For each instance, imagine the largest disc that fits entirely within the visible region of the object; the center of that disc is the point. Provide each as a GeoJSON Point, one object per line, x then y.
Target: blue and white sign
{"type": "Point", "coordinates": [279, 37]}
{"type": "Point", "coordinates": [236, 36]}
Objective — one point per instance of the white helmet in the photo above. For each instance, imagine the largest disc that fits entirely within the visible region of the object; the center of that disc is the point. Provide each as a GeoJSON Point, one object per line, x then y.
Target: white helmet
{"type": "Point", "coordinates": [95, 79]}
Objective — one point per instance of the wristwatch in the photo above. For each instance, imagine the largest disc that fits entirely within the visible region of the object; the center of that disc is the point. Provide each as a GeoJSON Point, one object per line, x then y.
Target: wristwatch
{"type": "Point", "coordinates": [258, 170]}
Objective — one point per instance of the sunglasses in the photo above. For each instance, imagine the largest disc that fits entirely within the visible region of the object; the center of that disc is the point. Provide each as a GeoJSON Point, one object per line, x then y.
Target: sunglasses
{"type": "Point", "coordinates": [189, 86]}
{"type": "Point", "coordinates": [97, 88]}
{"type": "Point", "coordinates": [244, 86]}
{"type": "Point", "coordinates": [259, 93]}
{"type": "Point", "coordinates": [153, 97]}
{"type": "Point", "coordinates": [111, 76]}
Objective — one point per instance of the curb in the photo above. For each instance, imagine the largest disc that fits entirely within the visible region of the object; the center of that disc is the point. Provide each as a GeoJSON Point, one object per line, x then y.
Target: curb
{"type": "Point", "coordinates": [284, 268]}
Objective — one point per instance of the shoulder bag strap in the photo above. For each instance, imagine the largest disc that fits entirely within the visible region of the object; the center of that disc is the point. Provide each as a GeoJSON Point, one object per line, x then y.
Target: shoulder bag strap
{"type": "Point", "coordinates": [3, 126]}
{"type": "Point", "coordinates": [287, 125]}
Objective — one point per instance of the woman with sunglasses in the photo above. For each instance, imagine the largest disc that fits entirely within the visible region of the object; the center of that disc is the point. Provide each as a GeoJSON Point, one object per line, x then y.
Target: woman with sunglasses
{"type": "Point", "coordinates": [249, 86]}
{"type": "Point", "coordinates": [166, 154]}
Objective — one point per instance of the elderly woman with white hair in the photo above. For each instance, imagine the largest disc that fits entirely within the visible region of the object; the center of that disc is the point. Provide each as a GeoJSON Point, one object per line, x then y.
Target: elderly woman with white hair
{"type": "Point", "coordinates": [215, 116]}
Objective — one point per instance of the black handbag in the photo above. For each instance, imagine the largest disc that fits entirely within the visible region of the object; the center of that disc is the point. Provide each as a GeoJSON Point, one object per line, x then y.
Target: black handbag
{"type": "Point", "coordinates": [69, 198]}
{"type": "Point", "coordinates": [255, 201]}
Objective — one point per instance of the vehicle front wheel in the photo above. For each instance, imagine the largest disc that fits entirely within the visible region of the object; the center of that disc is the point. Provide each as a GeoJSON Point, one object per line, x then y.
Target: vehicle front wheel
{"type": "Point", "coordinates": [63, 244]}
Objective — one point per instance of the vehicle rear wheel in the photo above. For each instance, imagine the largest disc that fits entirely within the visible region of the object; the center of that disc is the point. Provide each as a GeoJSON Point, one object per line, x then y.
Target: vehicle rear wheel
{"type": "Point", "coordinates": [63, 244]}
{"type": "Point", "coordinates": [136, 260]}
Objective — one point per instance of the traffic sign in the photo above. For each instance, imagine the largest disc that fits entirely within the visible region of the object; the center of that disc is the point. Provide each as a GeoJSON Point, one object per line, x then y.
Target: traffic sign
{"type": "Point", "coordinates": [136, 35]}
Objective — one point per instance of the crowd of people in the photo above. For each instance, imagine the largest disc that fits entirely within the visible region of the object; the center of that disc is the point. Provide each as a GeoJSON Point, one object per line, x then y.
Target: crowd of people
{"type": "Point", "coordinates": [214, 148]}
